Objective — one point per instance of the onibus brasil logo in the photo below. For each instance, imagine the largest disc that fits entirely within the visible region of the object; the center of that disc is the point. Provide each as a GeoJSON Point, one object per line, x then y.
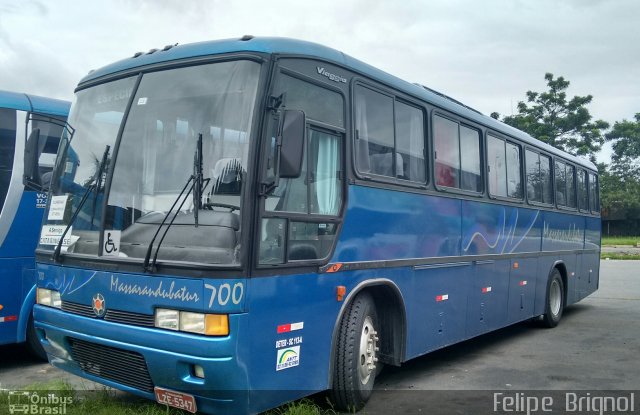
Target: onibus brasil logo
{"type": "Point", "coordinates": [37, 403]}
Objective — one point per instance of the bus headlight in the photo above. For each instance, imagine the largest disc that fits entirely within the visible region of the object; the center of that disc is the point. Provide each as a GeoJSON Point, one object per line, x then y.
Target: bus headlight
{"type": "Point", "coordinates": [167, 319]}
{"type": "Point", "coordinates": [189, 322]}
{"type": "Point", "coordinates": [50, 298]}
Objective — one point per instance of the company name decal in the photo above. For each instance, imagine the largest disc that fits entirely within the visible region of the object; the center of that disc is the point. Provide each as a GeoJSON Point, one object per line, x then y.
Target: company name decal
{"type": "Point", "coordinates": [572, 234]}
{"type": "Point", "coordinates": [159, 291]}
{"type": "Point", "coordinates": [333, 77]}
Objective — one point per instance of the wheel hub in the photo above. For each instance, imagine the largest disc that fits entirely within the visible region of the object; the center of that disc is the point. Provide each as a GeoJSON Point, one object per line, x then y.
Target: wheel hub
{"type": "Point", "coordinates": [368, 349]}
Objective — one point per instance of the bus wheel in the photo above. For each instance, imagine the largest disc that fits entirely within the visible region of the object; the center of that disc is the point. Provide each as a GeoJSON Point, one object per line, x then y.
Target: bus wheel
{"type": "Point", "coordinates": [356, 350]}
{"type": "Point", "coordinates": [33, 343]}
{"type": "Point", "coordinates": [555, 300]}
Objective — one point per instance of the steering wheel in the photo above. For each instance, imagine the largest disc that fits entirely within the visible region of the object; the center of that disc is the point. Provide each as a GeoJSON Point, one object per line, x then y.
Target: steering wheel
{"type": "Point", "coordinates": [211, 205]}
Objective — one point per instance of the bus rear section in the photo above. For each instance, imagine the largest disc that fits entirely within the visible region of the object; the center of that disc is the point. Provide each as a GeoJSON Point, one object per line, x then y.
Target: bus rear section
{"type": "Point", "coordinates": [30, 130]}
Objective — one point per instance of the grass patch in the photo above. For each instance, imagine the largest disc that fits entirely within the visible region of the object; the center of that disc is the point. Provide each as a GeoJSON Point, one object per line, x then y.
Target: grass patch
{"type": "Point", "coordinates": [620, 240]}
{"type": "Point", "coordinates": [111, 402]}
{"type": "Point", "coordinates": [618, 255]}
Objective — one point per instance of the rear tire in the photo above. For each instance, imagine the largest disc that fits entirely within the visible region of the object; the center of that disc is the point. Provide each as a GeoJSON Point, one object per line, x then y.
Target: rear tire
{"type": "Point", "coordinates": [33, 343]}
{"type": "Point", "coordinates": [356, 351]}
{"type": "Point", "coordinates": [555, 302]}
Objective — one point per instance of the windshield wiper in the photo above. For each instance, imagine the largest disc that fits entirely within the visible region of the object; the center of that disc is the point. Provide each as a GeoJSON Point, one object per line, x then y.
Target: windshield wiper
{"type": "Point", "coordinates": [197, 186]}
{"type": "Point", "coordinates": [85, 196]}
{"type": "Point", "coordinates": [146, 266]}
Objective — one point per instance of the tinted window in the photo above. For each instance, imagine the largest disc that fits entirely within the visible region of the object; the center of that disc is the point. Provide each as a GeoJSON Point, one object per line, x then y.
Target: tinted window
{"type": "Point", "coordinates": [387, 144]}
{"type": "Point", "coordinates": [374, 128]}
{"type": "Point", "coordinates": [318, 103]}
{"type": "Point", "coordinates": [545, 177]}
{"type": "Point", "coordinates": [594, 201]}
{"type": "Point", "coordinates": [7, 148]}
{"type": "Point", "coordinates": [471, 178]}
{"type": "Point", "coordinates": [447, 152]}
{"type": "Point", "coordinates": [583, 200]}
{"type": "Point", "coordinates": [457, 155]}
{"type": "Point", "coordinates": [410, 142]}
{"type": "Point", "coordinates": [497, 166]}
{"type": "Point", "coordinates": [561, 183]}
{"type": "Point", "coordinates": [514, 164]}
{"type": "Point", "coordinates": [571, 186]}
{"type": "Point", "coordinates": [534, 184]}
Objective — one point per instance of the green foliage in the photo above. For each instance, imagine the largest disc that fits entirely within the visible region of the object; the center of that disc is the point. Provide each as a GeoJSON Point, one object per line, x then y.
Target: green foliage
{"type": "Point", "coordinates": [626, 148]}
{"type": "Point", "coordinates": [563, 123]}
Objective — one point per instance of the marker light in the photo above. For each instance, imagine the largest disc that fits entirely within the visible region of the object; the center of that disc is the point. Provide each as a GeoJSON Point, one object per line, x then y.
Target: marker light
{"type": "Point", "coordinates": [216, 325]}
{"type": "Point", "coordinates": [189, 322]}
{"type": "Point", "coordinates": [50, 298]}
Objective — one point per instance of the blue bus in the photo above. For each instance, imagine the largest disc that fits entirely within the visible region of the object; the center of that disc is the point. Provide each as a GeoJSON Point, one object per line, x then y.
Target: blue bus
{"type": "Point", "coordinates": [30, 130]}
{"type": "Point", "coordinates": [239, 223]}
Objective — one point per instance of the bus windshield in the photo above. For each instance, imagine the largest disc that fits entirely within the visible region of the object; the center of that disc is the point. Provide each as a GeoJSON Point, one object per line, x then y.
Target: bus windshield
{"type": "Point", "coordinates": [154, 160]}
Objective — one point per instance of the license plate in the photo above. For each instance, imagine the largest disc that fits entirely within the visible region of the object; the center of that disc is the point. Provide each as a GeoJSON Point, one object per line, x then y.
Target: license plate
{"type": "Point", "coordinates": [176, 399]}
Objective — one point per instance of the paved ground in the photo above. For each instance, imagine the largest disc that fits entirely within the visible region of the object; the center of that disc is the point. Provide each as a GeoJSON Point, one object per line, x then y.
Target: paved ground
{"type": "Point", "coordinates": [596, 348]}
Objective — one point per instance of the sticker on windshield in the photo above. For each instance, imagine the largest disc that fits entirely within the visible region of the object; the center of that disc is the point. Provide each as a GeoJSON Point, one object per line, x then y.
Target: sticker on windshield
{"type": "Point", "coordinates": [51, 234]}
{"type": "Point", "coordinates": [111, 246]}
{"type": "Point", "coordinates": [58, 207]}
{"type": "Point", "coordinates": [142, 101]}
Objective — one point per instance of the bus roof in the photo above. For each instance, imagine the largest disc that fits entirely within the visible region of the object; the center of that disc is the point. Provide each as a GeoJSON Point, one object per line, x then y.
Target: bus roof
{"type": "Point", "coordinates": [271, 45]}
{"type": "Point", "coordinates": [34, 103]}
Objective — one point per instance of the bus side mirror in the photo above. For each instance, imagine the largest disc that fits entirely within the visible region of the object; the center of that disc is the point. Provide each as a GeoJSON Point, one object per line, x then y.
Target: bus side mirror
{"type": "Point", "coordinates": [292, 144]}
{"type": "Point", "coordinates": [31, 157]}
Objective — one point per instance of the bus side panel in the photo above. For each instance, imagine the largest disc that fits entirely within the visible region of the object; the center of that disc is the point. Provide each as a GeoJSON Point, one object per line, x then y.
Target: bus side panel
{"type": "Point", "coordinates": [10, 297]}
{"type": "Point", "coordinates": [564, 232]}
{"type": "Point", "coordinates": [522, 289]}
{"type": "Point", "coordinates": [592, 259]}
{"type": "Point", "coordinates": [488, 296]}
{"type": "Point", "coordinates": [385, 225]}
{"type": "Point", "coordinates": [437, 307]}
{"type": "Point", "coordinates": [280, 326]}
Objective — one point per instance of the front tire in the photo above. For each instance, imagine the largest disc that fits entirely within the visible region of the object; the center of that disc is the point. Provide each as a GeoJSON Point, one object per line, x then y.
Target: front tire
{"type": "Point", "coordinates": [555, 302]}
{"type": "Point", "coordinates": [356, 351]}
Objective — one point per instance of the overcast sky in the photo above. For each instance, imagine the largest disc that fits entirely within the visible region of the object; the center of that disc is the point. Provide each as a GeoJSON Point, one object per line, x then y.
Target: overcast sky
{"type": "Point", "coordinates": [486, 53]}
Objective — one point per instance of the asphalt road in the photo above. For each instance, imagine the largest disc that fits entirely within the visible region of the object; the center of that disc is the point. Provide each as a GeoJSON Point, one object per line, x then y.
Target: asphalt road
{"type": "Point", "coordinates": [595, 348]}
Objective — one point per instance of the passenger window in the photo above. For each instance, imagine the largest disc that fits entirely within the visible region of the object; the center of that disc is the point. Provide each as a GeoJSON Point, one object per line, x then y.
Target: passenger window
{"type": "Point", "coordinates": [504, 161]}
{"type": "Point", "coordinates": [594, 201]}
{"type": "Point", "coordinates": [534, 183]}
{"type": "Point", "coordinates": [471, 178]}
{"type": "Point", "coordinates": [447, 152]}
{"type": "Point", "coordinates": [7, 148]}
{"type": "Point", "coordinates": [561, 184]}
{"type": "Point", "coordinates": [514, 164]}
{"type": "Point", "coordinates": [546, 178]}
{"type": "Point", "coordinates": [374, 133]}
{"type": "Point", "coordinates": [457, 155]}
{"type": "Point", "coordinates": [583, 199]}
{"type": "Point", "coordinates": [571, 187]}
{"type": "Point", "coordinates": [410, 143]}
{"type": "Point", "coordinates": [539, 185]}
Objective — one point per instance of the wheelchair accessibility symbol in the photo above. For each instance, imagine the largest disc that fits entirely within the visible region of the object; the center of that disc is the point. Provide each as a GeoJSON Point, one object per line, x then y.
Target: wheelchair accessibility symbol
{"type": "Point", "coordinates": [111, 243]}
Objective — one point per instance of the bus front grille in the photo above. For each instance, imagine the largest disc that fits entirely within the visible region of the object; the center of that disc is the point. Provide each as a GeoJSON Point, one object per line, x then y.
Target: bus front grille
{"type": "Point", "coordinates": [115, 316]}
{"type": "Point", "coordinates": [118, 365]}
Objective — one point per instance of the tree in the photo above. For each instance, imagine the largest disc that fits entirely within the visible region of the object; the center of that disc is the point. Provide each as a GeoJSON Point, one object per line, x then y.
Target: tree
{"type": "Point", "coordinates": [625, 160]}
{"type": "Point", "coordinates": [564, 124]}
